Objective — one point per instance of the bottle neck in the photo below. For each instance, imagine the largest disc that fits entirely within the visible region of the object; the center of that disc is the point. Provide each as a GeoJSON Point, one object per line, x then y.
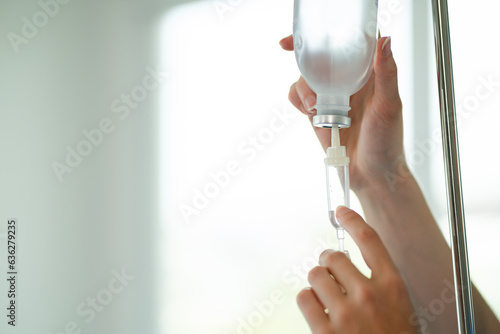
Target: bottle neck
{"type": "Point", "coordinates": [332, 111]}
{"type": "Point", "coordinates": [332, 104]}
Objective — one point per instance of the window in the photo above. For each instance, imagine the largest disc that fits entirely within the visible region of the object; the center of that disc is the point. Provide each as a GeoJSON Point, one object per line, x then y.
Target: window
{"type": "Point", "coordinates": [244, 206]}
{"type": "Point", "coordinates": [477, 89]}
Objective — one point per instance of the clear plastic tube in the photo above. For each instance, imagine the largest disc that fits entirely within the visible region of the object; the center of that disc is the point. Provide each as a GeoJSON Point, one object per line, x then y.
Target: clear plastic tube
{"type": "Point", "coordinates": [337, 182]}
{"type": "Point", "coordinates": [337, 190]}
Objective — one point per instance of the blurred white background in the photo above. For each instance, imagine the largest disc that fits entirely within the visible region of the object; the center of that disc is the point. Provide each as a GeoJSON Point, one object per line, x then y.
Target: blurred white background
{"type": "Point", "coordinates": [210, 191]}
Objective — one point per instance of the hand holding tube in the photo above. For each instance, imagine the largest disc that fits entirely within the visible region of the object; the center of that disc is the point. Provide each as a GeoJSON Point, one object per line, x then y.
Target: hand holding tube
{"type": "Point", "coordinates": [357, 304]}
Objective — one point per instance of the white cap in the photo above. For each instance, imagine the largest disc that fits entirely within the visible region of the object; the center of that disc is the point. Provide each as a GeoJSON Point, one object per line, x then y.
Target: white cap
{"type": "Point", "coordinates": [336, 156]}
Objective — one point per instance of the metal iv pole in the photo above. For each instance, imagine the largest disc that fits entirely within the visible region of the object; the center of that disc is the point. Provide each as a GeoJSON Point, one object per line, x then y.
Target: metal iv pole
{"type": "Point", "coordinates": [456, 216]}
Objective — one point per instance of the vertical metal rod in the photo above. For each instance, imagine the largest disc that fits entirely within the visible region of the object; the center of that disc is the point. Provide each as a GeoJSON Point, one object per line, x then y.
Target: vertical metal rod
{"type": "Point", "coordinates": [463, 292]}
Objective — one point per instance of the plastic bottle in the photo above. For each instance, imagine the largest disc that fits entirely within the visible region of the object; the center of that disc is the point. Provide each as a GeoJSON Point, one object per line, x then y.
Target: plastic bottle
{"type": "Point", "coordinates": [334, 43]}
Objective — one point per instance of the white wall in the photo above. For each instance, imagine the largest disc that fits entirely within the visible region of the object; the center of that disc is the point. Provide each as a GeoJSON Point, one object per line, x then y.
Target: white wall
{"type": "Point", "coordinates": [103, 215]}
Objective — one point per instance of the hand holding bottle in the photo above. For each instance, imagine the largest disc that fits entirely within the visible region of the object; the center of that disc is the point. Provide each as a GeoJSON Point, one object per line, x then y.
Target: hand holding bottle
{"type": "Point", "coordinates": [375, 139]}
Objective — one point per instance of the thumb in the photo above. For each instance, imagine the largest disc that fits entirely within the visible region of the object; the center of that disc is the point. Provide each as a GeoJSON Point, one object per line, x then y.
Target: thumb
{"type": "Point", "coordinates": [287, 43]}
{"type": "Point", "coordinates": [386, 74]}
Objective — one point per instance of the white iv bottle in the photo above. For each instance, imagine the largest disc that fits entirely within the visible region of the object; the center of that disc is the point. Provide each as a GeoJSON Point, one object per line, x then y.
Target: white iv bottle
{"type": "Point", "coordinates": [334, 42]}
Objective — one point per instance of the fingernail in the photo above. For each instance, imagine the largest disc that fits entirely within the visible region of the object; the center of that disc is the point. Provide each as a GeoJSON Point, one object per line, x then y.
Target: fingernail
{"type": "Point", "coordinates": [341, 210]}
{"type": "Point", "coordinates": [310, 103]}
{"type": "Point", "coordinates": [386, 47]}
{"type": "Point", "coordinates": [322, 256]}
{"type": "Point", "coordinates": [327, 251]}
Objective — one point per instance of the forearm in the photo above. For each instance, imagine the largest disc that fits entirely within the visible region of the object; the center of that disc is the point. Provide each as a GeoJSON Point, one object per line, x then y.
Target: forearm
{"type": "Point", "coordinates": [404, 222]}
{"type": "Point", "coordinates": [418, 248]}
{"type": "Point", "coordinates": [486, 321]}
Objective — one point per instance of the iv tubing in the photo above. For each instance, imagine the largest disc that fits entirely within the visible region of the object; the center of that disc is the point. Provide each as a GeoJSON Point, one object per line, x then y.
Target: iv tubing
{"type": "Point", "coordinates": [335, 136]}
{"type": "Point", "coordinates": [340, 238]}
{"type": "Point", "coordinates": [336, 143]}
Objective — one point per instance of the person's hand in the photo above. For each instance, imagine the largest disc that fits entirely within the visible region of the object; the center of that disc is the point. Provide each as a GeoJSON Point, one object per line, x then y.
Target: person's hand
{"type": "Point", "coordinates": [374, 141]}
{"type": "Point", "coordinates": [356, 304]}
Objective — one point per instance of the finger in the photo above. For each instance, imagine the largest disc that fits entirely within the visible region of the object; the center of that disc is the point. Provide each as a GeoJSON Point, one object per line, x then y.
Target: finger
{"type": "Point", "coordinates": [287, 43]}
{"type": "Point", "coordinates": [386, 77]}
{"type": "Point", "coordinates": [306, 95]}
{"type": "Point", "coordinates": [371, 247]}
{"type": "Point", "coordinates": [324, 135]}
{"type": "Point", "coordinates": [325, 287]}
{"type": "Point", "coordinates": [312, 309]}
{"type": "Point", "coordinates": [294, 98]}
{"type": "Point", "coordinates": [344, 271]}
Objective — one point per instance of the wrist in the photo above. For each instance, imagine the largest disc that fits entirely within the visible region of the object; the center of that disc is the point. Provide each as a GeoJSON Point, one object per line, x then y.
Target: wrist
{"type": "Point", "coordinates": [385, 182]}
{"type": "Point", "coordinates": [392, 186]}
{"type": "Point", "coordinates": [401, 217]}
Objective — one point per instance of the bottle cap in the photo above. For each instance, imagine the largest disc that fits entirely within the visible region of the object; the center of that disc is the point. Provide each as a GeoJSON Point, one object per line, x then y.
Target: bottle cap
{"type": "Point", "coordinates": [336, 156]}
